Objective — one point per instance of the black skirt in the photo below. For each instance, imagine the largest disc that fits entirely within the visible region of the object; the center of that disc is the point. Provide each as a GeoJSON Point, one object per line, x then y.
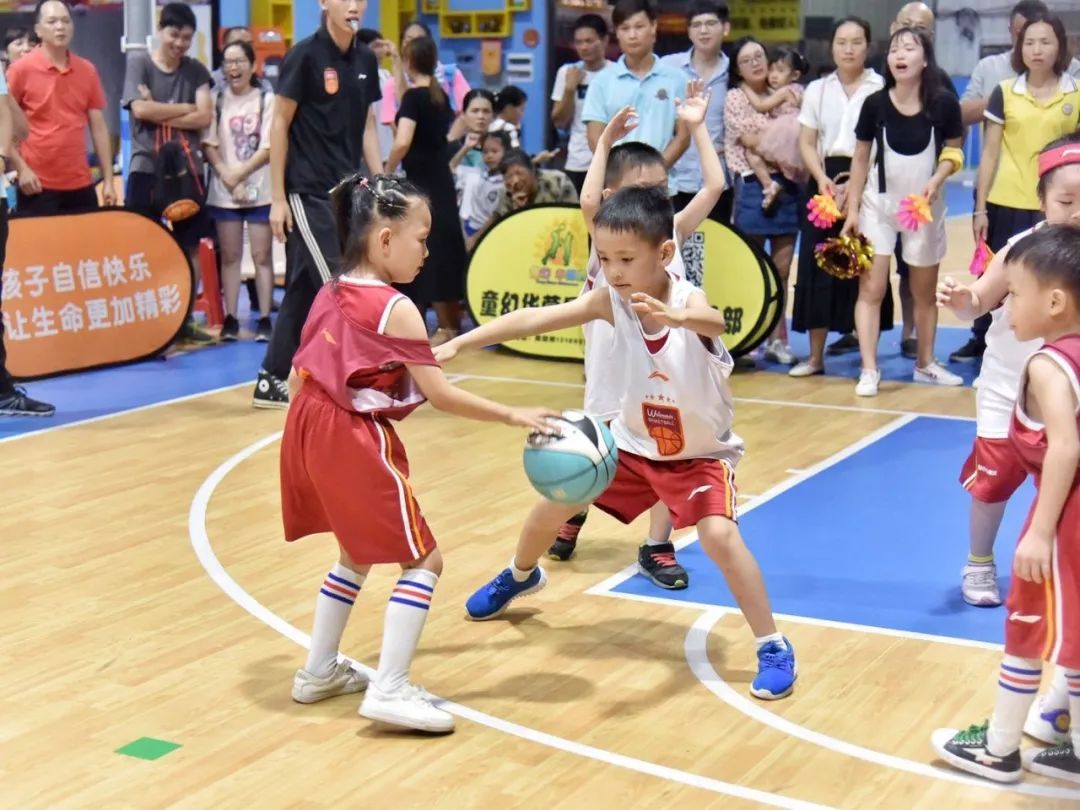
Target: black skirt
{"type": "Point", "coordinates": [823, 301]}
{"type": "Point", "coordinates": [1003, 223]}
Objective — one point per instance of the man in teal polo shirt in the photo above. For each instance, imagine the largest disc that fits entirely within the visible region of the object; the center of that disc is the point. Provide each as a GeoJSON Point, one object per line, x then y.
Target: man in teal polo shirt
{"type": "Point", "coordinates": [640, 80]}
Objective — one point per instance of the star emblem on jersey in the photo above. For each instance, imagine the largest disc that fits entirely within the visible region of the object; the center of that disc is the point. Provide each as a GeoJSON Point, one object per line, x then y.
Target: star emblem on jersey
{"type": "Point", "coordinates": [330, 81]}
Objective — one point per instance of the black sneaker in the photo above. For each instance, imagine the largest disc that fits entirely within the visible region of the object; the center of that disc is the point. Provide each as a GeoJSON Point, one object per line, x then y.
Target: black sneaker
{"type": "Point", "coordinates": [966, 750]}
{"type": "Point", "coordinates": [230, 330]}
{"type": "Point", "coordinates": [970, 352]}
{"type": "Point", "coordinates": [193, 333]}
{"type": "Point", "coordinates": [909, 348]}
{"type": "Point", "coordinates": [270, 392]}
{"type": "Point", "coordinates": [17, 403]}
{"type": "Point", "coordinates": [1059, 762]}
{"type": "Point", "coordinates": [263, 330]}
{"type": "Point", "coordinates": [845, 345]}
{"type": "Point", "coordinates": [566, 541]}
{"type": "Point", "coordinates": [658, 563]}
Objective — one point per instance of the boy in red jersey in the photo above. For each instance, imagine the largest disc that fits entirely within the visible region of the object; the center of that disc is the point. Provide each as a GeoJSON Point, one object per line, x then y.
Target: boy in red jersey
{"type": "Point", "coordinates": [1044, 601]}
{"type": "Point", "coordinates": [364, 359]}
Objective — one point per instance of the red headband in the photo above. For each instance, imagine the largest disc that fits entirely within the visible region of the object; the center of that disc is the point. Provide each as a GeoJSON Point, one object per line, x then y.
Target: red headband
{"type": "Point", "coordinates": [1062, 156]}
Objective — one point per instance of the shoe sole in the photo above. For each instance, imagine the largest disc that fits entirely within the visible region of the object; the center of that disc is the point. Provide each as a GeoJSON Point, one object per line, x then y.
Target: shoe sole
{"type": "Point", "coordinates": [954, 359]}
{"type": "Point", "coordinates": [528, 592]}
{"type": "Point", "coordinates": [262, 404]}
{"type": "Point", "coordinates": [818, 373]}
{"type": "Point", "coordinates": [307, 701]}
{"type": "Point", "coordinates": [967, 766]}
{"type": "Point", "coordinates": [260, 339]}
{"type": "Point", "coordinates": [13, 412]}
{"type": "Point", "coordinates": [983, 603]}
{"type": "Point", "coordinates": [763, 694]}
{"type": "Point", "coordinates": [681, 585]}
{"type": "Point", "coordinates": [927, 381]}
{"type": "Point", "coordinates": [399, 721]}
{"type": "Point", "coordinates": [1053, 773]}
{"type": "Point", "coordinates": [553, 555]}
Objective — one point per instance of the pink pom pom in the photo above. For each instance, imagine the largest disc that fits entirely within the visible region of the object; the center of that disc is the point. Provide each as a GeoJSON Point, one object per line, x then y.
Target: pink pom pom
{"type": "Point", "coordinates": [914, 212]}
{"type": "Point", "coordinates": [823, 211]}
{"type": "Point", "coordinates": [981, 258]}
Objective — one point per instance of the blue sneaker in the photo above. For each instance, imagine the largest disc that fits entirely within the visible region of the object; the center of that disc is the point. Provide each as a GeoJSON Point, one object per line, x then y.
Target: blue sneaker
{"type": "Point", "coordinates": [491, 600]}
{"type": "Point", "coordinates": [776, 671]}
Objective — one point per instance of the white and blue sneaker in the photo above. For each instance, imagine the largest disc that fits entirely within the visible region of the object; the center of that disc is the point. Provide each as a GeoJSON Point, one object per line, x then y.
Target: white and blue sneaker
{"type": "Point", "coordinates": [491, 600]}
{"type": "Point", "coordinates": [776, 671]}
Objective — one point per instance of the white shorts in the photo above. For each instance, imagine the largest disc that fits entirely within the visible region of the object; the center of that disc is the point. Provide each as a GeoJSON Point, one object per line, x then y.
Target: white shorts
{"type": "Point", "coordinates": [922, 248]}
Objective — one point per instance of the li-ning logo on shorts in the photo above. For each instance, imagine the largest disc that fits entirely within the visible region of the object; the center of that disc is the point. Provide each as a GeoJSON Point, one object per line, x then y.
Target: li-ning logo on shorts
{"type": "Point", "coordinates": [330, 81]}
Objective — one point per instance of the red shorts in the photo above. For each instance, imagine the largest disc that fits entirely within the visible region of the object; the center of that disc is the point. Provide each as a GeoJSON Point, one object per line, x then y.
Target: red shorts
{"type": "Point", "coordinates": [691, 489]}
{"type": "Point", "coordinates": [993, 472]}
{"type": "Point", "coordinates": [1044, 620]}
{"type": "Point", "coordinates": [346, 473]}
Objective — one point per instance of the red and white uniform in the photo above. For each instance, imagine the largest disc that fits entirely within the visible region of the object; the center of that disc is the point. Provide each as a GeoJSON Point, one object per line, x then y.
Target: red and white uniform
{"type": "Point", "coordinates": [1044, 620]}
{"type": "Point", "coordinates": [343, 467]}
{"type": "Point", "coordinates": [674, 425]}
{"type": "Point", "coordinates": [993, 472]}
{"type": "Point", "coordinates": [604, 380]}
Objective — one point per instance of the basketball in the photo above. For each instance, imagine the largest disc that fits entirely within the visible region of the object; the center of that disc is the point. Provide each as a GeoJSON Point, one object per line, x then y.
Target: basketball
{"type": "Point", "coordinates": [575, 467]}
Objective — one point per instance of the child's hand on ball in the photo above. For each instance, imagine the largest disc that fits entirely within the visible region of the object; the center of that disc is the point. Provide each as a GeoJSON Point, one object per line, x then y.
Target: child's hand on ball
{"type": "Point", "coordinates": [537, 420]}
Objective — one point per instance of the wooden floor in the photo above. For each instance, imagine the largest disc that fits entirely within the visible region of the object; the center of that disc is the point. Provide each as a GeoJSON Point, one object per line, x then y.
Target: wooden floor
{"type": "Point", "coordinates": [125, 614]}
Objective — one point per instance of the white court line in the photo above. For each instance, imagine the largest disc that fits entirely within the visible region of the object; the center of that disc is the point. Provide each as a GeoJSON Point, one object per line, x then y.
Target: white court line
{"type": "Point", "coordinates": [697, 656]}
{"type": "Point", "coordinates": [751, 400]}
{"type": "Point", "coordinates": [607, 586]}
{"type": "Point", "coordinates": [200, 542]}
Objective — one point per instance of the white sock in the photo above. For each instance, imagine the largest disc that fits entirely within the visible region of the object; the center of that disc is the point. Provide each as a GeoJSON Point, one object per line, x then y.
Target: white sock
{"type": "Point", "coordinates": [1057, 696]}
{"type": "Point", "coordinates": [650, 542]}
{"type": "Point", "coordinates": [778, 637]}
{"type": "Point", "coordinates": [406, 613]}
{"type": "Point", "coordinates": [983, 524]}
{"type": "Point", "coordinates": [332, 606]}
{"type": "Point", "coordinates": [520, 574]}
{"type": "Point", "coordinates": [1018, 685]}
{"type": "Point", "coordinates": [1072, 678]}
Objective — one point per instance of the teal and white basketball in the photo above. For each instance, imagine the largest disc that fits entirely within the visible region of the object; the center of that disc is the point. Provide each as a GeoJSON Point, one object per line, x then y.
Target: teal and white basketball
{"type": "Point", "coordinates": [575, 467]}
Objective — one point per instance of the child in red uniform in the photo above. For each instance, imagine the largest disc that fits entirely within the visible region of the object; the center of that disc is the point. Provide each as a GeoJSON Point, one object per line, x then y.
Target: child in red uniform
{"type": "Point", "coordinates": [1044, 601]}
{"type": "Point", "coordinates": [364, 359]}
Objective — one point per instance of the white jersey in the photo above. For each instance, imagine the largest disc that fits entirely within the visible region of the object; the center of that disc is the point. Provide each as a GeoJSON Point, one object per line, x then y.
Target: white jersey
{"type": "Point", "coordinates": [604, 377]}
{"type": "Point", "coordinates": [675, 403]}
{"type": "Point", "coordinates": [999, 379]}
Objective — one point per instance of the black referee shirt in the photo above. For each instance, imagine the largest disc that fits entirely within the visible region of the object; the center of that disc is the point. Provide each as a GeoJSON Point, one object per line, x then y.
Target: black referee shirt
{"type": "Point", "coordinates": [332, 91]}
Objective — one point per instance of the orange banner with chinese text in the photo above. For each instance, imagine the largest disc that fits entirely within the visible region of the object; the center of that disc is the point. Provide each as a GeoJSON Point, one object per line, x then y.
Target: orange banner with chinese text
{"type": "Point", "coordinates": [88, 290]}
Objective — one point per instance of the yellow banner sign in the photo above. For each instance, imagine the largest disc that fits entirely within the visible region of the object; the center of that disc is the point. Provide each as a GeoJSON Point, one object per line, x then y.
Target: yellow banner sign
{"type": "Point", "coordinates": [87, 290]}
{"type": "Point", "coordinates": [767, 20]}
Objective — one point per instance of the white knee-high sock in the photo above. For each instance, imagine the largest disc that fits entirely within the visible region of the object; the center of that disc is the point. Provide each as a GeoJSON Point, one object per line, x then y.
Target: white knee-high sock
{"type": "Point", "coordinates": [332, 607]}
{"type": "Point", "coordinates": [1072, 678]}
{"type": "Point", "coordinates": [406, 613]}
{"type": "Point", "coordinates": [1057, 696]}
{"type": "Point", "coordinates": [1018, 685]}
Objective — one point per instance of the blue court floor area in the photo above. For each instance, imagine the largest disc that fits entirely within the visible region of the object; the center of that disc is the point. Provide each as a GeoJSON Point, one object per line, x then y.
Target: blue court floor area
{"type": "Point", "coordinates": [877, 539]}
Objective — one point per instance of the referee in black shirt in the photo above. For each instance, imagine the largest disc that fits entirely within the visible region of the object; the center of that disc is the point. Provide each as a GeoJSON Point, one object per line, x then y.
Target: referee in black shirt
{"type": "Point", "coordinates": [323, 126]}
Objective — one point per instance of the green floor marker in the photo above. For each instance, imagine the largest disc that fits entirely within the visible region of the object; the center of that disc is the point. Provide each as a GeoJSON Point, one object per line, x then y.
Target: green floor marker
{"type": "Point", "coordinates": [148, 748]}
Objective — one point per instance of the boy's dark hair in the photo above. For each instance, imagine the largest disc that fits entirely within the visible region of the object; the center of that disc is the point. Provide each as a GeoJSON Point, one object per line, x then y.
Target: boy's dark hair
{"type": "Point", "coordinates": [1052, 254]}
{"type": "Point", "coordinates": [1045, 180]}
{"type": "Point", "coordinates": [625, 9]}
{"type": "Point", "coordinates": [178, 16]}
{"type": "Point", "coordinates": [1029, 9]}
{"type": "Point", "coordinates": [517, 157]}
{"type": "Point", "coordinates": [629, 156]}
{"type": "Point", "coordinates": [593, 21]}
{"type": "Point", "coordinates": [509, 96]}
{"type": "Point", "coordinates": [792, 58]}
{"type": "Point", "coordinates": [1061, 63]}
{"type": "Point", "coordinates": [501, 136]}
{"type": "Point", "coordinates": [359, 204]}
{"type": "Point", "coordinates": [851, 18]}
{"type": "Point", "coordinates": [930, 83]}
{"type": "Point", "coordinates": [422, 54]}
{"type": "Point", "coordinates": [699, 7]}
{"type": "Point", "coordinates": [644, 212]}
{"type": "Point", "coordinates": [368, 35]}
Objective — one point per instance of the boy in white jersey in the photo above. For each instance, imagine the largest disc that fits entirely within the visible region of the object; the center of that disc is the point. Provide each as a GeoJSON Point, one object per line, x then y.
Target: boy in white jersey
{"type": "Point", "coordinates": [612, 168]}
{"type": "Point", "coordinates": [993, 471]}
{"type": "Point", "coordinates": [673, 428]}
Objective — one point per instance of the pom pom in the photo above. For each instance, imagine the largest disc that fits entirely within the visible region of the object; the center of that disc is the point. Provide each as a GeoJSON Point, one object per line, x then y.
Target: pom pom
{"type": "Point", "coordinates": [981, 259]}
{"type": "Point", "coordinates": [914, 212]}
{"type": "Point", "coordinates": [823, 211]}
{"type": "Point", "coordinates": [845, 257]}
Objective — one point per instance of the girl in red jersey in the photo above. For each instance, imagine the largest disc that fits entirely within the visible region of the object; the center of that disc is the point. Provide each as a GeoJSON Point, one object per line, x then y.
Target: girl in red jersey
{"type": "Point", "coordinates": [364, 359]}
{"type": "Point", "coordinates": [1044, 601]}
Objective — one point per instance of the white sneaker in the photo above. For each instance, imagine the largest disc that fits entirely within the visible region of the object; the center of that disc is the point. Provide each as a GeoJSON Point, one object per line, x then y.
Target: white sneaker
{"type": "Point", "coordinates": [806, 369]}
{"type": "Point", "coordinates": [408, 707]}
{"type": "Point", "coordinates": [937, 374]}
{"type": "Point", "coordinates": [344, 680]}
{"type": "Point", "coordinates": [979, 585]}
{"type": "Point", "coordinates": [1050, 727]}
{"type": "Point", "coordinates": [869, 379]}
{"type": "Point", "coordinates": [778, 352]}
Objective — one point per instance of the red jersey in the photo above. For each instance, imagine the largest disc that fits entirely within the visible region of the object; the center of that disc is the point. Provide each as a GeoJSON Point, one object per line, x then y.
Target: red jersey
{"type": "Point", "coordinates": [1044, 619]}
{"type": "Point", "coordinates": [344, 351]}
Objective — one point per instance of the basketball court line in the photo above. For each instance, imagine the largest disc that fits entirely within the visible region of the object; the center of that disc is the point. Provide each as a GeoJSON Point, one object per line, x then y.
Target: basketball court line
{"type": "Point", "coordinates": [695, 648]}
{"type": "Point", "coordinates": [204, 552]}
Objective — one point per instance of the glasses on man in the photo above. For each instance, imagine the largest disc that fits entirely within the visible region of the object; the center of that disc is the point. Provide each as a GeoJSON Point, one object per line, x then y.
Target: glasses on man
{"type": "Point", "coordinates": [235, 63]}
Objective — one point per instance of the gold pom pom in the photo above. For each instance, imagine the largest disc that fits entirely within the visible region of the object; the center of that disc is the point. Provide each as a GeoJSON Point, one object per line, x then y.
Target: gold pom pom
{"type": "Point", "coordinates": [845, 257]}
